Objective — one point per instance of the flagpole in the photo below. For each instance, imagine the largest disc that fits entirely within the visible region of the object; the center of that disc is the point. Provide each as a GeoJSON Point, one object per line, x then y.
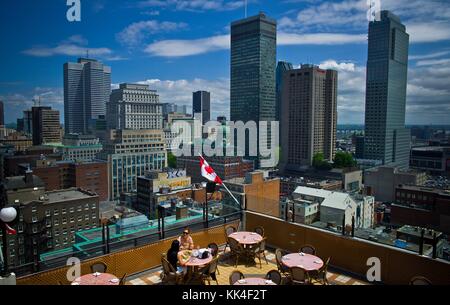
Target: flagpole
{"type": "Point", "coordinates": [226, 188]}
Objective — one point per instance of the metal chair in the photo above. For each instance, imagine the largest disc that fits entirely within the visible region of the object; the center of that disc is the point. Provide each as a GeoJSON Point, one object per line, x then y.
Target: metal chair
{"type": "Point", "coordinates": [281, 267]}
{"type": "Point", "coordinates": [228, 230]}
{"type": "Point", "coordinates": [320, 276]}
{"type": "Point", "coordinates": [210, 272]}
{"type": "Point", "coordinates": [236, 276]}
{"type": "Point", "coordinates": [420, 280]}
{"type": "Point", "coordinates": [259, 230]}
{"type": "Point", "coordinates": [274, 276]}
{"type": "Point", "coordinates": [237, 249]}
{"type": "Point", "coordinates": [308, 249]}
{"type": "Point", "coordinates": [100, 267]}
{"type": "Point", "coordinates": [299, 276]}
{"type": "Point", "coordinates": [122, 280]}
{"type": "Point", "coordinates": [260, 250]}
{"type": "Point", "coordinates": [214, 249]}
{"type": "Point", "coordinates": [169, 274]}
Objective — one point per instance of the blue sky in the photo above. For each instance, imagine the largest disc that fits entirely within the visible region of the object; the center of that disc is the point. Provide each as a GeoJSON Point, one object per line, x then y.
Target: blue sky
{"type": "Point", "coordinates": [180, 46]}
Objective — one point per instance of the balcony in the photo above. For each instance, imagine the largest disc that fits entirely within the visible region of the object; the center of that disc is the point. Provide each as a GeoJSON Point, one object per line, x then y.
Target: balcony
{"type": "Point", "coordinates": [348, 266]}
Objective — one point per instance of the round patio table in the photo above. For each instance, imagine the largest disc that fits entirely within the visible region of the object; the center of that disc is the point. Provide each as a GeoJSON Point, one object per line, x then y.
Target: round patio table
{"type": "Point", "coordinates": [306, 261]}
{"type": "Point", "coordinates": [246, 238]}
{"type": "Point", "coordinates": [196, 262]}
{"type": "Point", "coordinates": [97, 279]}
{"type": "Point", "coordinates": [254, 281]}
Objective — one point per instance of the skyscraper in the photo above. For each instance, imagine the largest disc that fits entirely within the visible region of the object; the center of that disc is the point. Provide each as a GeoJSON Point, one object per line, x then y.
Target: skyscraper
{"type": "Point", "coordinates": [87, 86]}
{"type": "Point", "coordinates": [201, 103]}
{"type": "Point", "coordinates": [2, 114]}
{"type": "Point", "coordinates": [253, 65]}
{"type": "Point", "coordinates": [308, 116]}
{"type": "Point", "coordinates": [46, 125]}
{"type": "Point", "coordinates": [134, 106]}
{"type": "Point", "coordinates": [386, 138]}
{"type": "Point", "coordinates": [282, 67]}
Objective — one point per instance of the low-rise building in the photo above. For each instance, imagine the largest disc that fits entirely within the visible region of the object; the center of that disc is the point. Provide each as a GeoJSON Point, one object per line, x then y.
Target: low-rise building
{"type": "Point", "coordinates": [225, 167]}
{"type": "Point", "coordinates": [18, 140]}
{"type": "Point", "coordinates": [130, 153]}
{"type": "Point", "coordinates": [59, 175]}
{"type": "Point", "coordinates": [432, 159]}
{"type": "Point", "coordinates": [382, 181]}
{"type": "Point", "coordinates": [256, 192]}
{"type": "Point", "coordinates": [422, 206]}
{"type": "Point", "coordinates": [78, 148]}
{"type": "Point", "coordinates": [46, 221]}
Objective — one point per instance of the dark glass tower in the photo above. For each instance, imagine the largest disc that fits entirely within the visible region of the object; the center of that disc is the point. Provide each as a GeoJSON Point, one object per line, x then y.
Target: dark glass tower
{"type": "Point", "coordinates": [386, 137]}
{"type": "Point", "coordinates": [201, 103]}
{"type": "Point", "coordinates": [253, 65]}
{"type": "Point", "coordinates": [282, 67]}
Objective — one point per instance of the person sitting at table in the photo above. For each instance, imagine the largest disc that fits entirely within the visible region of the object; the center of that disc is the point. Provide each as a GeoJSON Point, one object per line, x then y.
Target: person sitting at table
{"type": "Point", "coordinates": [186, 241]}
{"type": "Point", "coordinates": [175, 257]}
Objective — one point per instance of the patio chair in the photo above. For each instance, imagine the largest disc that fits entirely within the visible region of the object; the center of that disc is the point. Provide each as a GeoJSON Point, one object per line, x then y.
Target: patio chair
{"type": "Point", "coordinates": [259, 230]}
{"type": "Point", "coordinates": [214, 249]}
{"type": "Point", "coordinates": [169, 274]}
{"type": "Point", "coordinates": [308, 249]}
{"type": "Point", "coordinates": [209, 274]}
{"type": "Point", "coordinates": [420, 280]}
{"type": "Point", "coordinates": [100, 267]}
{"type": "Point", "coordinates": [122, 280]}
{"type": "Point", "coordinates": [320, 276]}
{"type": "Point", "coordinates": [260, 251]}
{"type": "Point", "coordinates": [281, 267]}
{"type": "Point", "coordinates": [237, 249]}
{"type": "Point", "coordinates": [235, 276]}
{"type": "Point", "coordinates": [228, 230]}
{"type": "Point", "coordinates": [299, 276]}
{"type": "Point", "coordinates": [214, 252]}
{"type": "Point", "coordinates": [275, 276]}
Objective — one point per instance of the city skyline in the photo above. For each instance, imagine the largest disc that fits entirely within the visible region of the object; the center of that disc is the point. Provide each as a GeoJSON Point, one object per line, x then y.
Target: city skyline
{"type": "Point", "coordinates": [138, 50]}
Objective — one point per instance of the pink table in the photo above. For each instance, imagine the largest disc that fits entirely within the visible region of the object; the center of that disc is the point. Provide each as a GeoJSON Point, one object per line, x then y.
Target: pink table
{"type": "Point", "coordinates": [100, 279]}
{"type": "Point", "coordinates": [307, 261]}
{"type": "Point", "coordinates": [197, 262]}
{"type": "Point", "coordinates": [246, 238]}
{"type": "Point", "coordinates": [254, 281]}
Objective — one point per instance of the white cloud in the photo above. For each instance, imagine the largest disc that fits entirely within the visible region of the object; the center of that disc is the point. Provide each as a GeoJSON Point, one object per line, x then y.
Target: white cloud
{"type": "Point", "coordinates": [429, 55]}
{"type": "Point", "coordinates": [136, 32]}
{"type": "Point", "coordinates": [180, 92]}
{"type": "Point", "coordinates": [425, 23]}
{"type": "Point", "coordinates": [433, 62]}
{"type": "Point", "coordinates": [428, 32]}
{"type": "Point", "coordinates": [194, 5]}
{"type": "Point", "coordinates": [73, 46]}
{"type": "Point", "coordinates": [180, 48]}
{"type": "Point", "coordinates": [319, 39]}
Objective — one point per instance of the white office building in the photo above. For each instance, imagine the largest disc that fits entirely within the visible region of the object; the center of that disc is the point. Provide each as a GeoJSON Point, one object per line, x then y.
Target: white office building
{"type": "Point", "coordinates": [134, 106]}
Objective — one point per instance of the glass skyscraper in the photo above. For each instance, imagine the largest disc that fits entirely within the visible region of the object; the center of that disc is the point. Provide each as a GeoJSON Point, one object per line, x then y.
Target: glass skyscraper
{"type": "Point", "coordinates": [386, 138]}
{"type": "Point", "coordinates": [253, 65]}
{"type": "Point", "coordinates": [87, 86]}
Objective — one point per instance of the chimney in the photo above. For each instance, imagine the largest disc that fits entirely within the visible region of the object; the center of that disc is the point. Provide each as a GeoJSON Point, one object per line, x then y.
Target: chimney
{"type": "Point", "coordinates": [29, 176]}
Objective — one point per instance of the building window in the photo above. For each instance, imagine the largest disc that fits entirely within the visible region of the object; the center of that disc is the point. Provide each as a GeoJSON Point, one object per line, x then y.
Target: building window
{"type": "Point", "coordinates": [72, 210]}
{"type": "Point", "coordinates": [34, 219]}
{"type": "Point", "coordinates": [63, 211]}
{"type": "Point", "coordinates": [47, 213]}
{"type": "Point", "coordinates": [56, 222]}
{"type": "Point", "coordinates": [56, 212]}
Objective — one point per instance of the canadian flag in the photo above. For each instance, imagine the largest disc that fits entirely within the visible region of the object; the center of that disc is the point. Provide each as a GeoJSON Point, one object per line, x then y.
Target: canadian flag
{"type": "Point", "coordinates": [9, 230]}
{"type": "Point", "coordinates": [208, 172]}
